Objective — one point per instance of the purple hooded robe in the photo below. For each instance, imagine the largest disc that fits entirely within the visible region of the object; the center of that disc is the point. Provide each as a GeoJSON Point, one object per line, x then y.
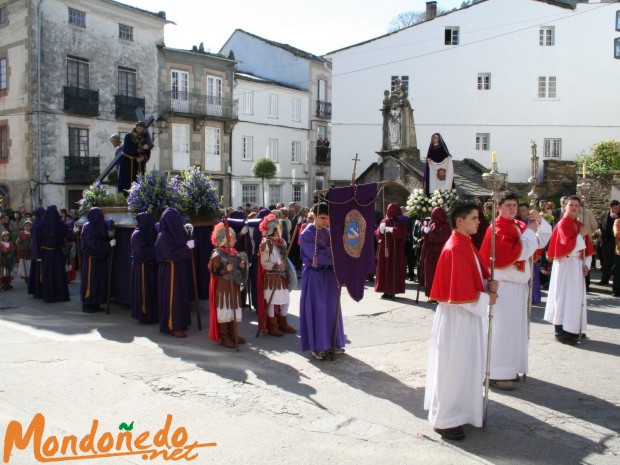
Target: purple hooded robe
{"type": "Point", "coordinates": [96, 250]}
{"type": "Point", "coordinates": [50, 241]}
{"type": "Point", "coordinates": [173, 274]}
{"type": "Point", "coordinates": [144, 304]}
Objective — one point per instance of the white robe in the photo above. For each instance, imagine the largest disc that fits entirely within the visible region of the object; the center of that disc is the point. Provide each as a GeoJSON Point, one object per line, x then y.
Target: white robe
{"type": "Point", "coordinates": [509, 344]}
{"type": "Point", "coordinates": [566, 301]}
{"type": "Point", "coordinates": [456, 361]}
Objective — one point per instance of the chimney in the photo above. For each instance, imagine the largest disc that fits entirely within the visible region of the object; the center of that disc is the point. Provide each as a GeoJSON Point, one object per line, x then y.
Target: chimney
{"type": "Point", "coordinates": [431, 10]}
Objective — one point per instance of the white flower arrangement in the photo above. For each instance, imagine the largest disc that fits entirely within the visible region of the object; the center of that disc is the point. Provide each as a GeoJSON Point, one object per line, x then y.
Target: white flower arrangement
{"type": "Point", "coordinates": [421, 205]}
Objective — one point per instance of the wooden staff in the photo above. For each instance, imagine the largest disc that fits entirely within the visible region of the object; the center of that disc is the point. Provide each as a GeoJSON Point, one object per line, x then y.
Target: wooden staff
{"type": "Point", "coordinates": [232, 283]}
{"type": "Point", "coordinates": [191, 253]}
{"type": "Point", "coordinates": [288, 250]}
{"type": "Point", "coordinates": [248, 289]}
{"type": "Point", "coordinates": [337, 322]}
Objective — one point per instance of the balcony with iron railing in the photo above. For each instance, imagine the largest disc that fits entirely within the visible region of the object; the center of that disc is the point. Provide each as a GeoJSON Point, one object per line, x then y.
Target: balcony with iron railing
{"type": "Point", "coordinates": [323, 109]}
{"type": "Point", "coordinates": [81, 170]}
{"type": "Point", "coordinates": [81, 101]}
{"type": "Point", "coordinates": [125, 106]}
{"type": "Point", "coordinates": [323, 155]}
{"type": "Point", "coordinates": [196, 104]}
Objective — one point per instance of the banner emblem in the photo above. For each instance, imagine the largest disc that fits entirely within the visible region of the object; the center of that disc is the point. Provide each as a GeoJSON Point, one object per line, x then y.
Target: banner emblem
{"type": "Point", "coordinates": [354, 233]}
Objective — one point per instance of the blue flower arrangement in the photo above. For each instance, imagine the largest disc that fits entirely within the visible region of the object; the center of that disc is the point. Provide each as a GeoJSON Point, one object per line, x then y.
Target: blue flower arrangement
{"type": "Point", "coordinates": [198, 194]}
{"type": "Point", "coordinates": [154, 192]}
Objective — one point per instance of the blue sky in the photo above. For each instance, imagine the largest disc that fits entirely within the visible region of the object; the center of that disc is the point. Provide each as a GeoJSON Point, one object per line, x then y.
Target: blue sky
{"type": "Point", "coordinates": [316, 26]}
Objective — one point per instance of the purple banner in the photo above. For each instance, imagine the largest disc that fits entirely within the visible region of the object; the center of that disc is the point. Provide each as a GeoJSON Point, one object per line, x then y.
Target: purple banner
{"type": "Point", "coordinates": [352, 229]}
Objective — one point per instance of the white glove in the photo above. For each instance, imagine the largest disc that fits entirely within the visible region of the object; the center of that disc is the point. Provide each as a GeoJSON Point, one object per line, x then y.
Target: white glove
{"type": "Point", "coordinates": [112, 242]}
{"type": "Point", "coordinates": [389, 229]}
{"type": "Point", "coordinates": [426, 229]}
{"type": "Point", "coordinates": [76, 228]}
{"type": "Point", "coordinates": [382, 228]}
{"type": "Point", "coordinates": [189, 228]}
{"type": "Point", "coordinates": [190, 243]}
{"type": "Point", "coordinates": [244, 230]}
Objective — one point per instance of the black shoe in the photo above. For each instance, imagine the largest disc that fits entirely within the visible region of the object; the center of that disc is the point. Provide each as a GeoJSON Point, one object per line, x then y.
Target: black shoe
{"type": "Point", "coordinates": [88, 309]}
{"type": "Point", "coordinates": [603, 283]}
{"type": "Point", "coordinates": [568, 340]}
{"type": "Point", "coordinates": [455, 433]}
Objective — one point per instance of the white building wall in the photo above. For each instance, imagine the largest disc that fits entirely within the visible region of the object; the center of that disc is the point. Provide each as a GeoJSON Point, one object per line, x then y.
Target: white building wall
{"type": "Point", "coordinates": [261, 128]}
{"type": "Point", "coordinates": [497, 37]}
{"type": "Point", "coordinates": [269, 61]}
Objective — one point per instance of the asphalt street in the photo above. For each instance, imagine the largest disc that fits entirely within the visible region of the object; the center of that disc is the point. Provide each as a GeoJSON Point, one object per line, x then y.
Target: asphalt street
{"type": "Point", "coordinates": [270, 404]}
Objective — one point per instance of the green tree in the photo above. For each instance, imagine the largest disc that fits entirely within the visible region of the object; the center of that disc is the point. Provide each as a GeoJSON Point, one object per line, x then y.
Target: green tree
{"type": "Point", "coordinates": [604, 156]}
{"type": "Point", "coordinates": [264, 168]}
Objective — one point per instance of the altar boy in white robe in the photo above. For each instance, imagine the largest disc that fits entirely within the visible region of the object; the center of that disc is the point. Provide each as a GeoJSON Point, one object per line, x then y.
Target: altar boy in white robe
{"type": "Point", "coordinates": [454, 391]}
{"type": "Point", "coordinates": [571, 249]}
{"type": "Point", "coordinates": [515, 243]}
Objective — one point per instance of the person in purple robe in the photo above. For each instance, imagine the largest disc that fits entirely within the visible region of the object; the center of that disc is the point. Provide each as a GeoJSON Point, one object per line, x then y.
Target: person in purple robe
{"type": "Point", "coordinates": [34, 283]}
{"type": "Point", "coordinates": [96, 246]}
{"type": "Point", "coordinates": [319, 289]}
{"type": "Point", "coordinates": [50, 241]}
{"type": "Point", "coordinates": [173, 275]}
{"type": "Point", "coordinates": [144, 304]}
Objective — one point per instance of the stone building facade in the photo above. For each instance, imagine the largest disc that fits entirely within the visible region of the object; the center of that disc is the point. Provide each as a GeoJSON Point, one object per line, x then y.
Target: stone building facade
{"type": "Point", "coordinates": [75, 75]}
{"type": "Point", "coordinates": [197, 106]}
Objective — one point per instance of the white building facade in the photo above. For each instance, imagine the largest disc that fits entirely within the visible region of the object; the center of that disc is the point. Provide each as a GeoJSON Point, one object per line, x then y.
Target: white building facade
{"type": "Point", "coordinates": [298, 69]}
{"type": "Point", "coordinates": [493, 76]}
{"type": "Point", "coordinates": [273, 123]}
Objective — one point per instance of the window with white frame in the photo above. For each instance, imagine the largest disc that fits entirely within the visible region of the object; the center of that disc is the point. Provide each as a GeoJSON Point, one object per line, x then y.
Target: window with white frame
{"type": "Point", "coordinates": [484, 81]}
{"type": "Point", "coordinates": [247, 148]}
{"type": "Point", "coordinates": [320, 132]}
{"type": "Point", "coordinates": [213, 156]}
{"type": "Point", "coordinates": [247, 102]}
{"type": "Point", "coordinates": [296, 152]}
{"type": "Point", "coordinates": [272, 111]}
{"type": "Point", "coordinates": [3, 73]}
{"type": "Point", "coordinates": [275, 193]}
{"type": "Point", "coordinates": [546, 36]}
{"type": "Point", "coordinates": [553, 148]}
{"type": "Point", "coordinates": [482, 141]}
{"type": "Point", "coordinates": [297, 191]}
{"type": "Point", "coordinates": [272, 149]}
{"type": "Point", "coordinates": [547, 87]}
{"type": "Point", "coordinates": [249, 194]}
{"type": "Point", "coordinates": [78, 142]}
{"type": "Point", "coordinates": [77, 17]}
{"type": "Point", "coordinates": [296, 109]}
{"type": "Point", "coordinates": [319, 180]}
{"type": "Point", "coordinates": [452, 35]}
{"type": "Point", "coordinates": [125, 32]}
{"type": "Point", "coordinates": [180, 146]}
{"type": "Point", "coordinates": [214, 96]}
{"type": "Point", "coordinates": [617, 47]}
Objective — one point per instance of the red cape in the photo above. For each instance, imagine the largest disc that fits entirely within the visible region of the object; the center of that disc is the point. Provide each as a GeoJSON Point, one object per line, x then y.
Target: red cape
{"type": "Point", "coordinates": [508, 244]}
{"type": "Point", "coordinates": [564, 239]}
{"type": "Point", "coordinates": [457, 279]}
{"type": "Point", "coordinates": [214, 330]}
